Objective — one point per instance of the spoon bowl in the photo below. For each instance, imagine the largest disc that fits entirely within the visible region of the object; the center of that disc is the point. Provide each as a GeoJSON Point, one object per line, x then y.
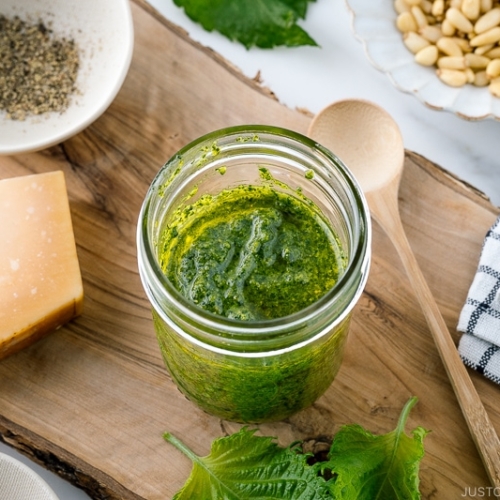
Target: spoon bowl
{"type": "Point", "coordinates": [377, 142]}
{"type": "Point", "coordinates": [368, 141]}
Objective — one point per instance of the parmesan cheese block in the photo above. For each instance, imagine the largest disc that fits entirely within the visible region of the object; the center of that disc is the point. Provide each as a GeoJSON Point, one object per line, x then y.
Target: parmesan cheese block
{"type": "Point", "coordinates": [40, 282]}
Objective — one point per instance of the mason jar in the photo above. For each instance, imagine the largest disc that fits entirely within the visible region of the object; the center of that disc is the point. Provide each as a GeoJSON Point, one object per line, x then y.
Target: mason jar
{"type": "Point", "coordinates": [258, 370]}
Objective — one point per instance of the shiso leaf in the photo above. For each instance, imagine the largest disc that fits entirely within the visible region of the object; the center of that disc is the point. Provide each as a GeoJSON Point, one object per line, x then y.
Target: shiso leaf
{"type": "Point", "coordinates": [370, 467]}
{"type": "Point", "coordinates": [260, 23]}
{"type": "Point", "coordinates": [245, 466]}
{"type": "Point", "coordinates": [360, 466]}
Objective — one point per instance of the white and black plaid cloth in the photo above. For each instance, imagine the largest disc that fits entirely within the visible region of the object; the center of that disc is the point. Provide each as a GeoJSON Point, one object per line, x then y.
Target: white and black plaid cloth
{"type": "Point", "coordinates": [479, 321]}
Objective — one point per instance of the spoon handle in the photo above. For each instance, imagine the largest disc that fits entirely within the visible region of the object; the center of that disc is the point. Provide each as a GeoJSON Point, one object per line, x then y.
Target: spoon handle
{"type": "Point", "coordinates": [480, 426]}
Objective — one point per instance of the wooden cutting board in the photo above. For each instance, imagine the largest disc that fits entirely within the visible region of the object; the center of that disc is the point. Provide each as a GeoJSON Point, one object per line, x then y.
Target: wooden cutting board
{"type": "Point", "coordinates": [92, 400]}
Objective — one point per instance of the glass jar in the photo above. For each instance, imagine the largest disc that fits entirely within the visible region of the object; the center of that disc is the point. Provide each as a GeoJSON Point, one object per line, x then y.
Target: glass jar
{"type": "Point", "coordinates": [266, 370]}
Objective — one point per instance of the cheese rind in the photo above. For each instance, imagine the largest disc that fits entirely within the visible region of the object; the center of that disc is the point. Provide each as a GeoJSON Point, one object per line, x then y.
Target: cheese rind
{"type": "Point", "coordinates": [40, 282]}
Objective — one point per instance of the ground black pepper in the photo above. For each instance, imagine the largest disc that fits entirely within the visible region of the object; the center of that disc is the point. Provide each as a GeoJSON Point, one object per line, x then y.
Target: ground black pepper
{"type": "Point", "coordinates": [37, 70]}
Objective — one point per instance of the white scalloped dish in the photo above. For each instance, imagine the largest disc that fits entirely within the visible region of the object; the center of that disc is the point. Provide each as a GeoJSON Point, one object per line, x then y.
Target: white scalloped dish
{"type": "Point", "coordinates": [374, 24]}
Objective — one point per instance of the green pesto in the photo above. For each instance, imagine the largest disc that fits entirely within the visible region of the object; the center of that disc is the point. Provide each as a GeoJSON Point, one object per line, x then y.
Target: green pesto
{"type": "Point", "coordinates": [251, 253]}
{"type": "Point", "coordinates": [252, 390]}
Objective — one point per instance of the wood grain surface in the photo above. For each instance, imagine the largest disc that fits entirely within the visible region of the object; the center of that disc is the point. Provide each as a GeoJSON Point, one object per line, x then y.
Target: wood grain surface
{"type": "Point", "coordinates": [92, 400]}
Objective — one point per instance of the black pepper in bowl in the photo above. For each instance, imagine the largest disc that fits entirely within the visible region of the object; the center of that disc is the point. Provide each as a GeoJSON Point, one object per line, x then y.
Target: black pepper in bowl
{"type": "Point", "coordinates": [37, 70]}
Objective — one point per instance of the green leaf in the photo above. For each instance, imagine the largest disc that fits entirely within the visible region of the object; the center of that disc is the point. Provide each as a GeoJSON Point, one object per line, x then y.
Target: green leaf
{"type": "Point", "coordinates": [245, 466]}
{"type": "Point", "coordinates": [261, 23]}
{"type": "Point", "coordinates": [370, 467]}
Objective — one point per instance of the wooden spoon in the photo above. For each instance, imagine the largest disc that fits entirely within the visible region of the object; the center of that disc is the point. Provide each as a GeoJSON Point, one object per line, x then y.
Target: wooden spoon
{"type": "Point", "coordinates": [368, 141]}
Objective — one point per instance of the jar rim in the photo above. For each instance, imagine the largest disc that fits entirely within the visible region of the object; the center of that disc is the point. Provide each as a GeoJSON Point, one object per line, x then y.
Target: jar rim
{"type": "Point", "coordinates": [150, 269]}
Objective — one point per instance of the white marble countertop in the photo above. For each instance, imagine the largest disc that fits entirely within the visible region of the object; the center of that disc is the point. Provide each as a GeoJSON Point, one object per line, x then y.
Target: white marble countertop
{"type": "Point", "coordinates": [312, 77]}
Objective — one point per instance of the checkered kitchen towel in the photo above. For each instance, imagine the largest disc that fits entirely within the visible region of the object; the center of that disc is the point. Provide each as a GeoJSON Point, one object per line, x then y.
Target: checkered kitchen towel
{"type": "Point", "coordinates": [479, 320]}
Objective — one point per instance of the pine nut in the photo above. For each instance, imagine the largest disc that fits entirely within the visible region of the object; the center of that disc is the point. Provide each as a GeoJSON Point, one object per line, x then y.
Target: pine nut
{"type": "Point", "coordinates": [481, 79]}
{"type": "Point", "coordinates": [431, 33]}
{"type": "Point", "coordinates": [463, 43]}
{"type": "Point", "coordinates": [449, 62]}
{"type": "Point", "coordinates": [455, 4]}
{"type": "Point", "coordinates": [414, 42]}
{"type": "Point", "coordinates": [471, 9]}
{"type": "Point", "coordinates": [470, 75]}
{"type": "Point", "coordinates": [494, 87]}
{"type": "Point", "coordinates": [486, 5]}
{"type": "Point", "coordinates": [452, 77]}
{"type": "Point", "coordinates": [437, 8]}
{"type": "Point", "coordinates": [483, 49]}
{"type": "Point", "coordinates": [406, 22]}
{"type": "Point", "coordinates": [487, 21]}
{"type": "Point", "coordinates": [494, 53]}
{"type": "Point", "coordinates": [490, 36]}
{"type": "Point", "coordinates": [419, 16]}
{"type": "Point", "coordinates": [476, 61]}
{"type": "Point", "coordinates": [493, 68]}
{"type": "Point", "coordinates": [449, 47]}
{"type": "Point", "coordinates": [426, 6]}
{"type": "Point", "coordinates": [458, 19]}
{"type": "Point", "coordinates": [427, 56]}
{"type": "Point", "coordinates": [447, 28]}
{"type": "Point", "coordinates": [411, 3]}
{"type": "Point", "coordinates": [401, 6]}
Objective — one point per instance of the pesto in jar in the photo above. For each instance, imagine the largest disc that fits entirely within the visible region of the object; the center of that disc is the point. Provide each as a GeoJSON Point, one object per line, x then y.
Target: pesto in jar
{"type": "Point", "coordinates": [252, 389]}
{"type": "Point", "coordinates": [251, 253]}
{"type": "Point", "coordinates": [253, 248]}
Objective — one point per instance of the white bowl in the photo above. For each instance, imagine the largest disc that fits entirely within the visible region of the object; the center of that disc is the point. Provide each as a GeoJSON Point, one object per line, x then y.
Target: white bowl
{"type": "Point", "coordinates": [103, 31]}
{"type": "Point", "coordinates": [374, 24]}
{"type": "Point", "coordinates": [19, 482]}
